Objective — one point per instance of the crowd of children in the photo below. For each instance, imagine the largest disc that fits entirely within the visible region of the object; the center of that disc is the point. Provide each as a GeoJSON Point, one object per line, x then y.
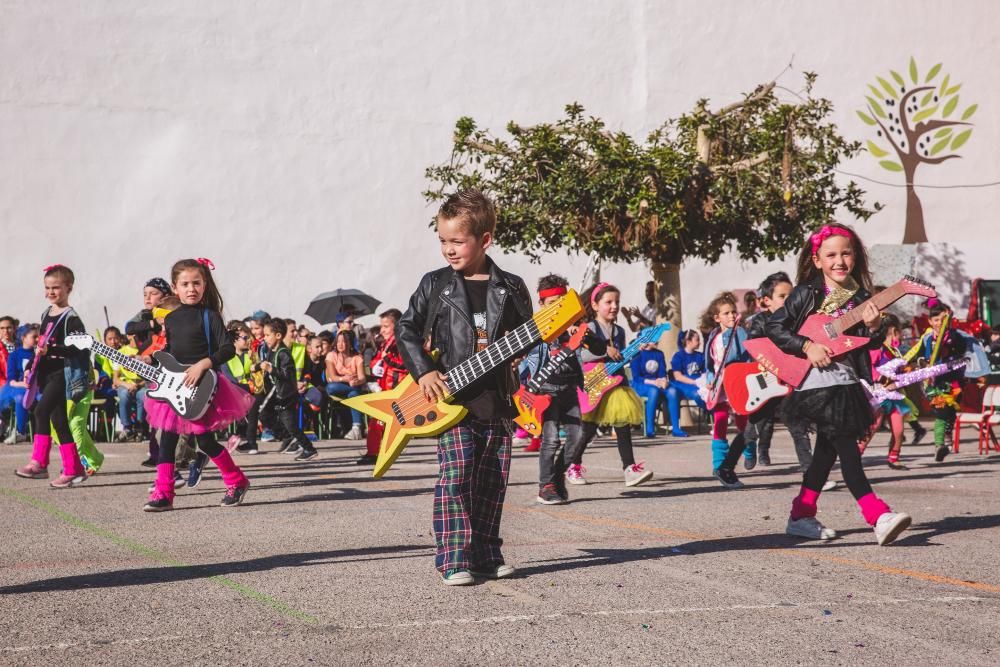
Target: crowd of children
{"type": "Point", "coordinates": [275, 380]}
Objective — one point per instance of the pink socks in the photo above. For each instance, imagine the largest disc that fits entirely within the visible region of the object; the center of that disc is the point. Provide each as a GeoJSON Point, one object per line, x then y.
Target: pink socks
{"type": "Point", "coordinates": [40, 451]}
{"type": "Point", "coordinates": [165, 480]}
{"type": "Point", "coordinates": [804, 504]}
{"type": "Point", "coordinates": [70, 460]}
{"type": "Point", "coordinates": [231, 473]}
{"type": "Point", "coordinates": [872, 507]}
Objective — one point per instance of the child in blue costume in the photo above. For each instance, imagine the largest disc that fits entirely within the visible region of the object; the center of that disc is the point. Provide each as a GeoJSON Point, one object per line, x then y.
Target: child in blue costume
{"type": "Point", "coordinates": [686, 366]}
{"type": "Point", "coordinates": [649, 379]}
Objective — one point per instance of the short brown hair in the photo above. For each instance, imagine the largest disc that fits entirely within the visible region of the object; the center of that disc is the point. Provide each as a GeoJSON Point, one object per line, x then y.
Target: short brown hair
{"type": "Point", "coordinates": [63, 273]}
{"type": "Point", "coordinates": [476, 211]}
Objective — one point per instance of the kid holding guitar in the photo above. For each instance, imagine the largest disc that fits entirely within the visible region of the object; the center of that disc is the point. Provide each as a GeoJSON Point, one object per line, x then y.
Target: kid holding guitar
{"type": "Point", "coordinates": [48, 378]}
{"type": "Point", "coordinates": [620, 407]}
{"type": "Point", "coordinates": [465, 307]}
{"type": "Point", "coordinates": [196, 335]}
{"type": "Point", "coordinates": [721, 349]}
{"type": "Point", "coordinates": [833, 278]}
{"type": "Point", "coordinates": [564, 410]}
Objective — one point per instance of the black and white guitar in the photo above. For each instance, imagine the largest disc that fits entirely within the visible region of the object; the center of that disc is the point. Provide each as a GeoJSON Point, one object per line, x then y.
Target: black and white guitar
{"type": "Point", "coordinates": [167, 379]}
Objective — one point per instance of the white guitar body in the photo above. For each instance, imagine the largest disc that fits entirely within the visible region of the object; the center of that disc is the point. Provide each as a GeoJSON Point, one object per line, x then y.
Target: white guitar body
{"type": "Point", "coordinates": [762, 387]}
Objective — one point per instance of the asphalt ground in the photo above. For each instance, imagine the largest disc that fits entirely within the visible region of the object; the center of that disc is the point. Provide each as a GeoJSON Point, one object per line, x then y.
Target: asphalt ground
{"type": "Point", "coordinates": [325, 565]}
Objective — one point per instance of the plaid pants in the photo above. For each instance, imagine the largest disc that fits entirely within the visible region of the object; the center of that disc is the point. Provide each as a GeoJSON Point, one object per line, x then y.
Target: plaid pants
{"type": "Point", "coordinates": [474, 459]}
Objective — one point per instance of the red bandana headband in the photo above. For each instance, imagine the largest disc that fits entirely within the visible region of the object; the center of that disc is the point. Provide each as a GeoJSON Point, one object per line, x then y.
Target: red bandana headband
{"type": "Point", "coordinates": [207, 263]}
{"type": "Point", "coordinates": [825, 232]}
{"type": "Point", "coordinates": [551, 291]}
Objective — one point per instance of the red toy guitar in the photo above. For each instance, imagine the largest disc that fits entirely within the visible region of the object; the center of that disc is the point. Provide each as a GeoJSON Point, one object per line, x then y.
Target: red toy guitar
{"type": "Point", "coordinates": [530, 404]}
{"type": "Point", "coordinates": [829, 331]}
{"type": "Point", "coordinates": [749, 387]}
{"type": "Point", "coordinates": [715, 389]}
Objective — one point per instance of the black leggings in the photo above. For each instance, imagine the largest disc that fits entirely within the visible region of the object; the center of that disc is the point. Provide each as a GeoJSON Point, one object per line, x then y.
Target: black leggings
{"type": "Point", "coordinates": [51, 407]}
{"type": "Point", "coordinates": [825, 453]}
{"type": "Point", "coordinates": [168, 446]}
{"type": "Point", "coordinates": [624, 434]}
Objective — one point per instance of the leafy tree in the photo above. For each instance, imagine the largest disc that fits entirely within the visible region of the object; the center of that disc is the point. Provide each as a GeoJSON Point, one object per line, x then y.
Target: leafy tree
{"type": "Point", "coordinates": [753, 176]}
{"type": "Point", "coordinates": [916, 123]}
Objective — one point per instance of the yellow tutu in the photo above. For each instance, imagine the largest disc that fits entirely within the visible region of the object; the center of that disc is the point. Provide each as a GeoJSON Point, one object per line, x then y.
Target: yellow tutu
{"type": "Point", "coordinates": [620, 407]}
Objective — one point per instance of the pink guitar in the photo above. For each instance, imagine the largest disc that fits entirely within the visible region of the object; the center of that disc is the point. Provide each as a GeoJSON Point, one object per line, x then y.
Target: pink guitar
{"type": "Point", "coordinates": [829, 331]}
{"type": "Point", "coordinates": [599, 377]}
{"type": "Point", "coordinates": [31, 377]}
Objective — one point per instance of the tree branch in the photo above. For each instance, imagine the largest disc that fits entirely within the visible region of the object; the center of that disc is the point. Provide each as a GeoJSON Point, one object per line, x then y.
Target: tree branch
{"type": "Point", "coordinates": [903, 120]}
{"type": "Point", "coordinates": [760, 94]}
{"type": "Point", "coordinates": [892, 142]}
{"type": "Point", "coordinates": [923, 127]}
{"type": "Point", "coordinates": [747, 163]}
{"type": "Point", "coordinates": [937, 160]}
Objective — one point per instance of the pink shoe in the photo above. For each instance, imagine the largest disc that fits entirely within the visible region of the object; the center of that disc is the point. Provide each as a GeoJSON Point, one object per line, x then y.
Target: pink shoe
{"type": "Point", "coordinates": [574, 475]}
{"type": "Point", "coordinates": [32, 471]}
{"type": "Point", "coordinates": [65, 481]}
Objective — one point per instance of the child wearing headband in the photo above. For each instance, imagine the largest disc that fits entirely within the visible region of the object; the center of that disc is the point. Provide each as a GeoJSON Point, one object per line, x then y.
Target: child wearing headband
{"type": "Point", "coordinates": [833, 278]}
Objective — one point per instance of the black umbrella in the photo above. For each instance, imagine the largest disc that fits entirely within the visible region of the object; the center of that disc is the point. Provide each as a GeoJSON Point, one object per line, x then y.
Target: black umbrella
{"type": "Point", "coordinates": [324, 308]}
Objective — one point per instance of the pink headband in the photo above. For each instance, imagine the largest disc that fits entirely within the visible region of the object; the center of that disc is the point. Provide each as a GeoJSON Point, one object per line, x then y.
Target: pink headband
{"type": "Point", "coordinates": [207, 263]}
{"type": "Point", "coordinates": [597, 288]}
{"type": "Point", "coordinates": [825, 232]}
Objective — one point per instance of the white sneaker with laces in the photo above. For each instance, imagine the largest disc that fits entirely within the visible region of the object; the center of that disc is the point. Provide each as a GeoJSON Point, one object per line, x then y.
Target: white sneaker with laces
{"type": "Point", "coordinates": [830, 485]}
{"type": "Point", "coordinates": [636, 474]}
{"type": "Point", "coordinates": [809, 528]}
{"type": "Point", "coordinates": [354, 433]}
{"type": "Point", "coordinates": [890, 525]}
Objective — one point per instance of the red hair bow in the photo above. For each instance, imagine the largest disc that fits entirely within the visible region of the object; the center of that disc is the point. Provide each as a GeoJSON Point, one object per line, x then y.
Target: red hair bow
{"type": "Point", "coordinates": [206, 262]}
{"type": "Point", "coordinates": [50, 267]}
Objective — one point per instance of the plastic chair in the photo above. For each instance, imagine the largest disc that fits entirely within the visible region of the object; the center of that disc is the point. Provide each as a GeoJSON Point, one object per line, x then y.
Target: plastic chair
{"type": "Point", "coordinates": [974, 419]}
{"type": "Point", "coordinates": [986, 434]}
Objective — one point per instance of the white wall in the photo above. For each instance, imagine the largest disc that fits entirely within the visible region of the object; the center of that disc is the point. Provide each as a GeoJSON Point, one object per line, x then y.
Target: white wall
{"type": "Point", "coordinates": [287, 140]}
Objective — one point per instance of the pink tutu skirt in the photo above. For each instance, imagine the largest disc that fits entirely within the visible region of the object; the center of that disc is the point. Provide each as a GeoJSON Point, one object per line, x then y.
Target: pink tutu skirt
{"type": "Point", "coordinates": [229, 404]}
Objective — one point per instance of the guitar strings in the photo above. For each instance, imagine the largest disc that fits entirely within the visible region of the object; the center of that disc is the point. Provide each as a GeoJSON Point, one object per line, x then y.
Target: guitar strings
{"type": "Point", "coordinates": [545, 313]}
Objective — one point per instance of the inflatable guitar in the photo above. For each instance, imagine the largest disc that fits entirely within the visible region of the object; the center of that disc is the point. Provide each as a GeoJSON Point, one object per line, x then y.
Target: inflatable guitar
{"type": "Point", "coordinates": [879, 393]}
{"type": "Point", "coordinates": [31, 376]}
{"type": "Point", "coordinates": [167, 380]}
{"type": "Point", "coordinates": [407, 414]}
{"type": "Point", "coordinates": [749, 387]}
{"type": "Point", "coordinates": [530, 404]}
{"type": "Point", "coordinates": [829, 331]}
{"type": "Point", "coordinates": [599, 377]}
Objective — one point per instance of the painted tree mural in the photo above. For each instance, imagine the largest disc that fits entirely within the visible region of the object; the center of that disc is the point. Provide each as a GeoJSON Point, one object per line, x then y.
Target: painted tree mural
{"type": "Point", "coordinates": [917, 122]}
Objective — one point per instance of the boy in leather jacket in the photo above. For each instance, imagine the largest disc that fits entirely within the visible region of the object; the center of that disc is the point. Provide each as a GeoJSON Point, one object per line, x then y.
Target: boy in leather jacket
{"type": "Point", "coordinates": [463, 308]}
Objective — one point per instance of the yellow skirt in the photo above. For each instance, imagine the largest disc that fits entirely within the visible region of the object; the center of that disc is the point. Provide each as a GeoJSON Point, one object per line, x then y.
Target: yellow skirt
{"type": "Point", "coordinates": [620, 407]}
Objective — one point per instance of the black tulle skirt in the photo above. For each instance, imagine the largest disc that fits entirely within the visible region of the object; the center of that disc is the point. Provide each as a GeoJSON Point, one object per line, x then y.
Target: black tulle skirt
{"type": "Point", "coordinates": [841, 410]}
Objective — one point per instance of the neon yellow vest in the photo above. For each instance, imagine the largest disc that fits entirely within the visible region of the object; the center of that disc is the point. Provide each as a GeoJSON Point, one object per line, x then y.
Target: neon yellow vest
{"type": "Point", "coordinates": [298, 351]}
{"type": "Point", "coordinates": [123, 372]}
{"type": "Point", "coordinates": [240, 368]}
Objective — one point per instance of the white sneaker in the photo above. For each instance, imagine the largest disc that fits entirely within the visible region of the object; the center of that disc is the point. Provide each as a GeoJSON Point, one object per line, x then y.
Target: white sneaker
{"type": "Point", "coordinates": [830, 485]}
{"type": "Point", "coordinates": [574, 475]}
{"type": "Point", "coordinates": [11, 437]}
{"type": "Point", "coordinates": [459, 578]}
{"type": "Point", "coordinates": [498, 572]}
{"type": "Point", "coordinates": [809, 528]}
{"type": "Point", "coordinates": [635, 474]}
{"type": "Point", "coordinates": [354, 433]}
{"type": "Point", "coordinates": [890, 525]}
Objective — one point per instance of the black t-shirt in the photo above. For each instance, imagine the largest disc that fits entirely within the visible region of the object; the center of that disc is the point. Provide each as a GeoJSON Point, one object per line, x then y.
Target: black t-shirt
{"type": "Point", "coordinates": [186, 336]}
{"type": "Point", "coordinates": [482, 397]}
{"type": "Point", "coordinates": [55, 358]}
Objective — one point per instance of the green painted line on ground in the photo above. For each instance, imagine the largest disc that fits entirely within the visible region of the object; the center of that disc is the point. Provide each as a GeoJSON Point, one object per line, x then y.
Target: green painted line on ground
{"type": "Point", "coordinates": [158, 556]}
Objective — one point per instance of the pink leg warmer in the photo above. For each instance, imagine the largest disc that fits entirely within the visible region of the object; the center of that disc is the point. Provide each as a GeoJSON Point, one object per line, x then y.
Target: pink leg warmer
{"type": "Point", "coordinates": [720, 421]}
{"type": "Point", "coordinates": [165, 480]}
{"type": "Point", "coordinates": [40, 451]}
{"type": "Point", "coordinates": [231, 473]}
{"type": "Point", "coordinates": [872, 507]}
{"type": "Point", "coordinates": [804, 504]}
{"type": "Point", "coordinates": [71, 460]}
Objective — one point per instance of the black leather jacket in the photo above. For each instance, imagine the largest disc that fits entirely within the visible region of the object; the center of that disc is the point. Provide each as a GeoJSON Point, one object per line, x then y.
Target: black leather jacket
{"type": "Point", "coordinates": [783, 325]}
{"type": "Point", "coordinates": [508, 305]}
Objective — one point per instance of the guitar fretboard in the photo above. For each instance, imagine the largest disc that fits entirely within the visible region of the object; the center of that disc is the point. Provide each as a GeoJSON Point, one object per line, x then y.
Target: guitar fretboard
{"type": "Point", "coordinates": [882, 300]}
{"type": "Point", "coordinates": [480, 364]}
{"type": "Point", "coordinates": [133, 364]}
{"type": "Point", "coordinates": [536, 382]}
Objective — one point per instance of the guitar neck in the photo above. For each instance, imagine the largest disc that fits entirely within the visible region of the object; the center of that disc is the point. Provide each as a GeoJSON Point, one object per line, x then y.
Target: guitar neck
{"type": "Point", "coordinates": [138, 367]}
{"type": "Point", "coordinates": [503, 350]}
{"type": "Point", "coordinates": [882, 300]}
